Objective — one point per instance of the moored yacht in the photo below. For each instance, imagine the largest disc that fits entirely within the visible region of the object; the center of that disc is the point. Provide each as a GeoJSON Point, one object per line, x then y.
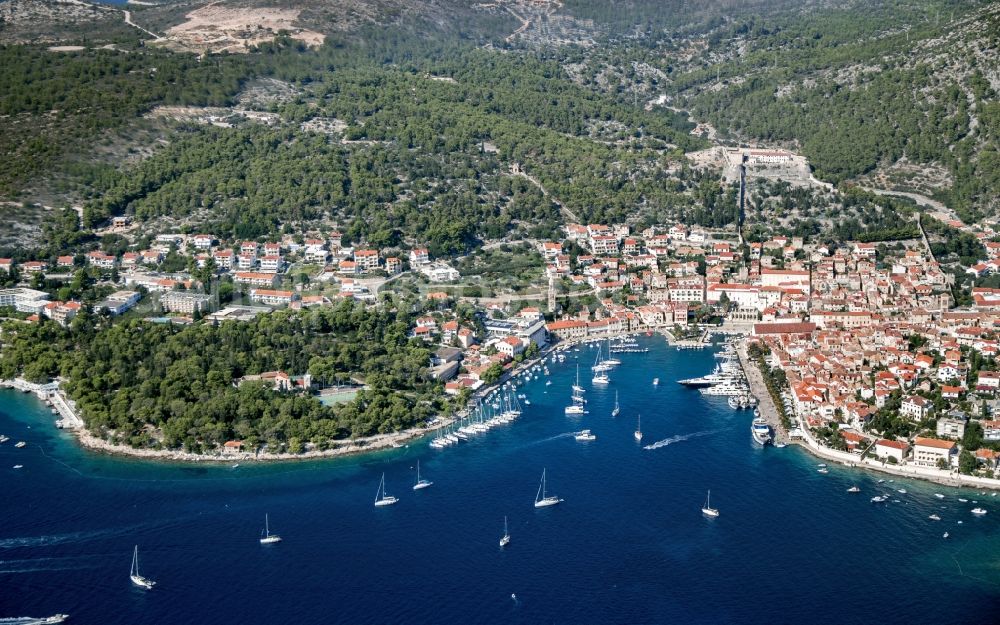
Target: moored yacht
{"type": "Point", "coordinates": [761, 431]}
{"type": "Point", "coordinates": [726, 388]}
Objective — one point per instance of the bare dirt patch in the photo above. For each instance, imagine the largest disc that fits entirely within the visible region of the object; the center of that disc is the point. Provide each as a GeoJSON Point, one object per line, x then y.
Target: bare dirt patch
{"type": "Point", "coordinates": [52, 21]}
{"type": "Point", "coordinates": [215, 28]}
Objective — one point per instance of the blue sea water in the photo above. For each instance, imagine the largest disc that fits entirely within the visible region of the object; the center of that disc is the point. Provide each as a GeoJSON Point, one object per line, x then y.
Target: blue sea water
{"type": "Point", "coordinates": [628, 545]}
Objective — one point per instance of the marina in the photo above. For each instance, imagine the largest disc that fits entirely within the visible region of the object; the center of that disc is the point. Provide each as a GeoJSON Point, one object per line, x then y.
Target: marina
{"type": "Point", "coordinates": [655, 554]}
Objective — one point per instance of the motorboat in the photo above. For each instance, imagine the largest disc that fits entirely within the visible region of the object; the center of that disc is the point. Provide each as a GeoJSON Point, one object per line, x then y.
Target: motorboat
{"type": "Point", "coordinates": [585, 435]}
{"type": "Point", "coordinates": [760, 431]}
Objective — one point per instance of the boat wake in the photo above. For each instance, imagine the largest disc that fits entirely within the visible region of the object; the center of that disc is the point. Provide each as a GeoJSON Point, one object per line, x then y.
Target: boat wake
{"type": "Point", "coordinates": [51, 540]}
{"type": "Point", "coordinates": [679, 438]}
{"type": "Point", "coordinates": [39, 565]}
{"type": "Point", "coordinates": [542, 441]}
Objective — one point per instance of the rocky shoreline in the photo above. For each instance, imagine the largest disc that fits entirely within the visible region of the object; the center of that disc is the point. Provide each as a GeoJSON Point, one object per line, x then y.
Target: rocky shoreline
{"type": "Point", "coordinates": [357, 446]}
{"type": "Point", "coordinates": [379, 442]}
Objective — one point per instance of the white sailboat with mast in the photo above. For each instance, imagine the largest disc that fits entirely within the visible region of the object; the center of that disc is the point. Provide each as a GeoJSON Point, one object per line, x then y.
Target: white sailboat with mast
{"type": "Point", "coordinates": [576, 408]}
{"type": "Point", "coordinates": [505, 539]}
{"type": "Point", "coordinates": [267, 538]}
{"type": "Point", "coordinates": [599, 363]}
{"type": "Point", "coordinates": [638, 428]}
{"type": "Point", "coordinates": [617, 410]}
{"type": "Point", "coordinates": [137, 579]}
{"type": "Point", "coordinates": [611, 361]}
{"type": "Point", "coordinates": [707, 509]}
{"type": "Point", "coordinates": [576, 387]}
{"type": "Point", "coordinates": [543, 500]}
{"type": "Point", "coordinates": [381, 498]}
{"type": "Point", "coordinates": [421, 484]}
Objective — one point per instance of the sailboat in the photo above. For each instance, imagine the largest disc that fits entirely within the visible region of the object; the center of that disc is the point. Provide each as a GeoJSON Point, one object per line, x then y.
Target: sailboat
{"type": "Point", "coordinates": [577, 396]}
{"type": "Point", "coordinates": [576, 387]}
{"type": "Point", "coordinates": [505, 539]}
{"type": "Point", "coordinates": [421, 483]}
{"type": "Point", "coordinates": [614, 413]}
{"type": "Point", "coordinates": [599, 363]}
{"type": "Point", "coordinates": [611, 361]}
{"type": "Point", "coordinates": [541, 499]}
{"type": "Point", "coordinates": [137, 579]}
{"type": "Point", "coordinates": [638, 428]}
{"type": "Point", "coordinates": [381, 499]}
{"type": "Point", "coordinates": [707, 509]}
{"type": "Point", "coordinates": [268, 538]}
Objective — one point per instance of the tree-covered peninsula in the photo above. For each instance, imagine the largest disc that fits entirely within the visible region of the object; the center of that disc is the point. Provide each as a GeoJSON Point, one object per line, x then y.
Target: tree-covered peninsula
{"type": "Point", "coordinates": [161, 386]}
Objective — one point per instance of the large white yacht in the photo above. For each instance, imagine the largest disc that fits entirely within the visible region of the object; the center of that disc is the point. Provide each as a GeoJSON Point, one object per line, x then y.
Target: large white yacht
{"type": "Point", "coordinates": [761, 431]}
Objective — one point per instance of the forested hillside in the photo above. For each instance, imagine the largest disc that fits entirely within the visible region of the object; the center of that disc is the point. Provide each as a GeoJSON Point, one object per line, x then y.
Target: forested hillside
{"type": "Point", "coordinates": [416, 122]}
{"type": "Point", "coordinates": [859, 92]}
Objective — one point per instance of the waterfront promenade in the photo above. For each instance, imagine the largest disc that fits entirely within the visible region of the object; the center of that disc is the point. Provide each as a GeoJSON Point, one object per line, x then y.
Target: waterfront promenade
{"type": "Point", "coordinates": [771, 413]}
{"type": "Point", "coordinates": [765, 403]}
